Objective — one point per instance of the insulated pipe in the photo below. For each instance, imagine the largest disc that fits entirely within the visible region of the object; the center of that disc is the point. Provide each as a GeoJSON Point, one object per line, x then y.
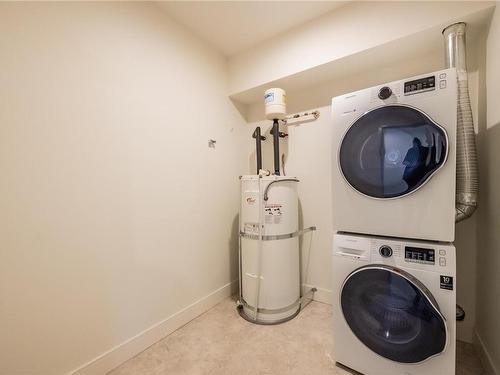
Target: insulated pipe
{"type": "Point", "coordinates": [276, 144]}
{"type": "Point", "coordinates": [258, 147]}
{"type": "Point", "coordinates": [467, 170]}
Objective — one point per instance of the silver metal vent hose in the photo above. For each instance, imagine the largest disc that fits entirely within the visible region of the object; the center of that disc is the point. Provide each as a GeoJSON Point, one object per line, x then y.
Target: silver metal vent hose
{"type": "Point", "coordinates": [467, 170]}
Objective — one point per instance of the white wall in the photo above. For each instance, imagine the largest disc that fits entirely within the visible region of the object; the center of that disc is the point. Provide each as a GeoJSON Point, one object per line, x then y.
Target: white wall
{"type": "Point", "coordinates": [114, 212]}
{"type": "Point", "coordinates": [488, 264]}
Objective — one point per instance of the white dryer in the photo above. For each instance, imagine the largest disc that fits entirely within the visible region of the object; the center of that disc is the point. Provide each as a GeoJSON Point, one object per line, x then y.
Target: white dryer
{"type": "Point", "coordinates": [394, 305]}
{"type": "Point", "coordinates": [394, 158]}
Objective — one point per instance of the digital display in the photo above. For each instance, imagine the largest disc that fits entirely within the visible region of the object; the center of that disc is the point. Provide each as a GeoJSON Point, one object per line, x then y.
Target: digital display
{"type": "Point", "coordinates": [419, 255]}
{"type": "Point", "coordinates": [418, 85]}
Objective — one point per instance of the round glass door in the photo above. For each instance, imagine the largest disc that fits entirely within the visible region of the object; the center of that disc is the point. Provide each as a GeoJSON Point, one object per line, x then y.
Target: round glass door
{"type": "Point", "coordinates": [393, 314]}
{"type": "Point", "coordinates": [391, 151]}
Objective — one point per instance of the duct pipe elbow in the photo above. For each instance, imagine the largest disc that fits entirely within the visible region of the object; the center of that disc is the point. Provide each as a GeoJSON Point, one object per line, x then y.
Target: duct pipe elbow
{"type": "Point", "coordinates": [463, 211]}
{"type": "Point", "coordinates": [466, 204]}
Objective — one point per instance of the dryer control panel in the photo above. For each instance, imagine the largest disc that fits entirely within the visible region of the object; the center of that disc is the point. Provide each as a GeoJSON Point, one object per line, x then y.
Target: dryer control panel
{"type": "Point", "coordinates": [420, 85]}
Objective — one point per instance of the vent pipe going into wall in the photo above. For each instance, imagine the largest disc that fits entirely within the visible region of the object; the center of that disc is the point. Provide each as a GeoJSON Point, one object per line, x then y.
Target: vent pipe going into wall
{"type": "Point", "coordinates": [467, 172]}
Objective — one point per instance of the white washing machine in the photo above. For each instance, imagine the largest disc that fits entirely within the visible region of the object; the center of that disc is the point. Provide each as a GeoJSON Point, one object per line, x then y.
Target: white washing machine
{"type": "Point", "coordinates": [394, 158]}
{"type": "Point", "coordinates": [394, 305]}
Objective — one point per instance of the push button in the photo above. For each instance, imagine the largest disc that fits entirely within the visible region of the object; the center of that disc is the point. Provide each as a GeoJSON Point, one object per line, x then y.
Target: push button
{"type": "Point", "coordinates": [442, 252]}
{"type": "Point", "coordinates": [442, 76]}
{"type": "Point", "coordinates": [442, 84]}
{"type": "Point", "coordinates": [442, 262]}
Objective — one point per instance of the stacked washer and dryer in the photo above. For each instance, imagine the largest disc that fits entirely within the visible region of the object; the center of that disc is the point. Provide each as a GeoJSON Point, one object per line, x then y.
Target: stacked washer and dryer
{"type": "Point", "coordinates": [394, 184]}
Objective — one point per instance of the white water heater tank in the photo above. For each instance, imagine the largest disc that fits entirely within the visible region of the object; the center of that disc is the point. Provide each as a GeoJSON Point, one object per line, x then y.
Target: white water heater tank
{"type": "Point", "coordinates": [274, 257]}
{"type": "Point", "coordinates": [275, 103]}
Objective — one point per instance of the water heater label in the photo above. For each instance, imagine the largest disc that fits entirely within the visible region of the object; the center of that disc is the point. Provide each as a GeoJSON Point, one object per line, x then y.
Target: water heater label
{"type": "Point", "coordinates": [273, 213]}
{"type": "Point", "coordinates": [251, 228]}
{"type": "Point", "coordinates": [250, 200]}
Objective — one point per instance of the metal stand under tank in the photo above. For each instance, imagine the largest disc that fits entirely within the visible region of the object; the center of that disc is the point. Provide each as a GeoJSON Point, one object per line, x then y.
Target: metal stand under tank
{"type": "Point", "coordinates": [269, 269]}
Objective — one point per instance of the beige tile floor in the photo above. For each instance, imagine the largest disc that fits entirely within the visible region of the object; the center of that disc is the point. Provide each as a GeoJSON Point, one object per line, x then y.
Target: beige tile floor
{"type": "Point", "coordinates": [220, 342]}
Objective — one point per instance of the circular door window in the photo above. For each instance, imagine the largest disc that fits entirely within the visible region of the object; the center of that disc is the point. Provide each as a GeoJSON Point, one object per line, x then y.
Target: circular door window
{"type": "Point", "coordinates": [391, 151]}
{"type": "Point", "coordinates": [393, 314]}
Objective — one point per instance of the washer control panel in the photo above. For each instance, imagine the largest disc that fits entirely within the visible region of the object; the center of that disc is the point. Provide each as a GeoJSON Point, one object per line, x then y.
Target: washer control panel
{"type": "Point", "coordinates": [407, 254]}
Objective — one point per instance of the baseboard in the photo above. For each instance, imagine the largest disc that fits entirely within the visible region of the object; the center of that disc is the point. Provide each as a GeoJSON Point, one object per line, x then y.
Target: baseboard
{"type": "Point", "coordinates": [484, 355]}
{"type": "Point", "coordinates": [133, 346]}
{"type": "Point", "coordinates": [321, 295]}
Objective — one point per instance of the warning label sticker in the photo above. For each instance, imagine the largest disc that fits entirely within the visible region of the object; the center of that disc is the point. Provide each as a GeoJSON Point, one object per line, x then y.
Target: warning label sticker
{"type": "Point", "coordinates": [273, 213]}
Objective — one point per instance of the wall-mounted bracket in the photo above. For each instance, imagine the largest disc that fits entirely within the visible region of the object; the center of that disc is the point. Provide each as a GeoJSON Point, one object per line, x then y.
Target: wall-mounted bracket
{"type": "Point", "coordinates": [301, 118]}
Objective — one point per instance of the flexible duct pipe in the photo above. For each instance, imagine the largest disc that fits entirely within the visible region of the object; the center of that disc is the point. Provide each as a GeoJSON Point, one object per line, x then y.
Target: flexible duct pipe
{"type": "Point", "coordinates": [467, 173]}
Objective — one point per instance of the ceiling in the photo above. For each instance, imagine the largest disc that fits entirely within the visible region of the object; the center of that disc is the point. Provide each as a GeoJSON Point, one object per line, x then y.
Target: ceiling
{"type": "Point", "coordinates": [233, 26]}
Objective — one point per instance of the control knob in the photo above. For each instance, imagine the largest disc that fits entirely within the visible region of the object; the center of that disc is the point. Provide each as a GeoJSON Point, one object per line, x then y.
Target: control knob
{"type": "Point", "coordinates": [384, 93]}
{"type": "Point", "coordinates": [385, 251]}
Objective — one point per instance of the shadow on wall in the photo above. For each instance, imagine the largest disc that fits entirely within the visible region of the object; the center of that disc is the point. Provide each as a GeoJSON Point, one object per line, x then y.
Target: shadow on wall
{"type": "Point", "coordinates": [302, 270]}
{"type": "Point", "coordinates": [488, 221]}
{"type": "Point", "coordinates": [303, 261]}
{"type": "Point", "coordinates": [488, 257]}
{"type": "Point", "coordinates": [233, 249]}
{"type": "Point", "coordinates": [305, 248]}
